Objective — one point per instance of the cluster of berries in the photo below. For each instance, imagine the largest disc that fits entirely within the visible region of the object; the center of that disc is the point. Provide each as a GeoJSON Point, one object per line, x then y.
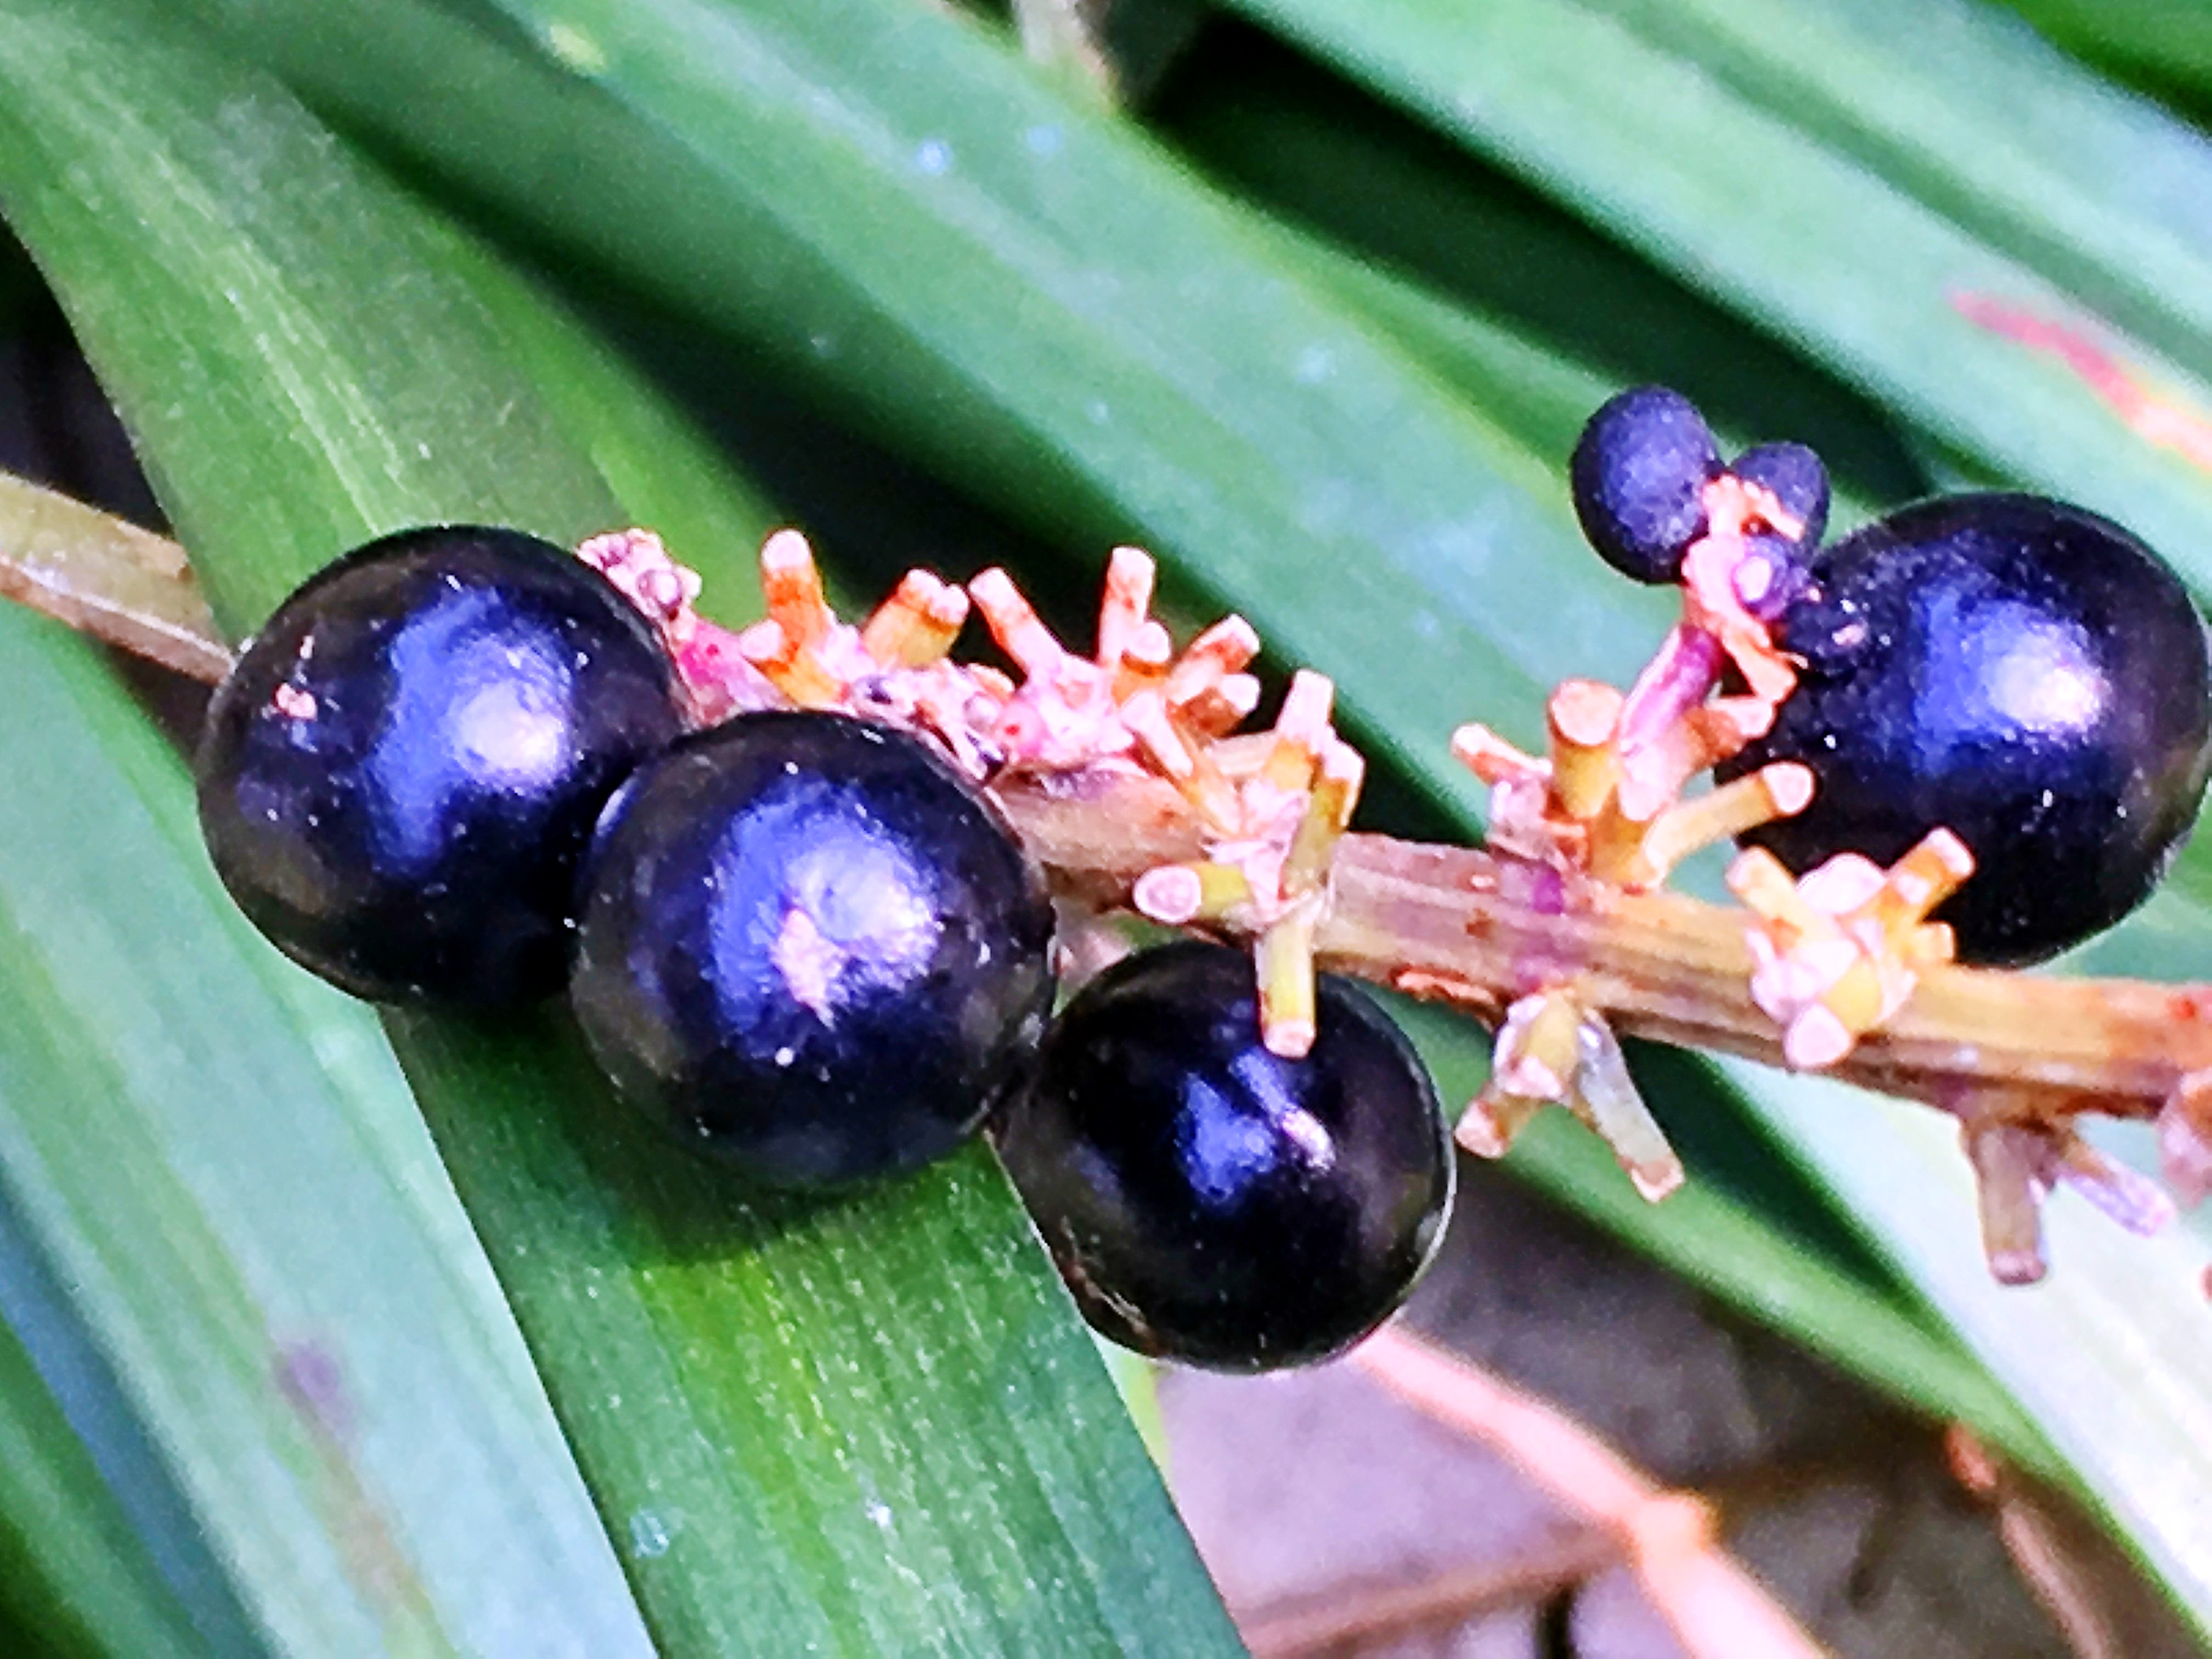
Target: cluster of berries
{"type": "Point", "coordinates": [1976, 731]}
{"type": "Point", "coordinates": [2024, 675]}
{"type": "Point", "coordinates": [461, 767]}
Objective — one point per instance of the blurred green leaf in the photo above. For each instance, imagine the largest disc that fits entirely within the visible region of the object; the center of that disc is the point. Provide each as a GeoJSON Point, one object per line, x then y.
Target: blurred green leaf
{"type": "Point", "coordinates": [2165, 46]}
{"type": "Point", "coordinates": [1403, 208]}
{"type": "Point", "coordinates": [849, 1427]}
{"type": "Point", "coordinates": [1812, 168]}
{"type": "Point", "coordinates": [216, 1160]}
{"type": "Point", "coordinates": [76, 1577]}
{"type": "Point", "coordinates": [1014, 288]}
{"type": "Point", "coordinates": [1988, 128]}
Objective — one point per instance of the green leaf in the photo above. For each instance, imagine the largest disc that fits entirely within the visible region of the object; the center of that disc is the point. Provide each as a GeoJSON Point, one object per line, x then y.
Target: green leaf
{"type": "Point", "coordinates": [218, 1160]}
{"type": "Point", "coordinates": [1041, 307]}
{"type": "Point", "coordinates": [1531, 314]}
{"type": "Point", "coordinates": [1019, 290]}
{"type": "Point", "coordinates": [75, 1577]}
{"type": "Point", "coordinates": [1892, 181]}
{"type": "Point", "coordinates": [849, 1427]}
{"type": "Point", "coordinates": [655, 463]}
{"type": "Point", "coordinates": [2165, 47]}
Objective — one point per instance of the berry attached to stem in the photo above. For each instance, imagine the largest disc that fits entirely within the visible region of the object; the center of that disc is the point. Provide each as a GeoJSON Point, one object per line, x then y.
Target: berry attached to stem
{"type": "Point", "coordinates": [1639, 476]}
{"type": "Point", "coordinates": [813, 947]}
{"type": "Point", "coordinates": [398, 780]}
{"type": "Point", "coordinates": [2024, 674]}
{"type": "Point", "coordinates": [1129, 784]}
{"type": "Point", "coordinates": [1209, 1200]}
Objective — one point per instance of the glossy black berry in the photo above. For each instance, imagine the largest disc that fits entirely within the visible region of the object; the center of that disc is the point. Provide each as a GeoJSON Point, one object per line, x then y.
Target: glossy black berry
{"type": "Point", "coordinates": [1212, 1202]}
{"type": "Point", "coordinates": [1639, 476]}
{"type": "Point", "coordinates": [1794, 475]}
{"type": "Point", "coordinates": [398, 780]}
{"type": "Point", "coordinates": [2029, 675]}
{"type": "Point", "coordinates": [811, 946]}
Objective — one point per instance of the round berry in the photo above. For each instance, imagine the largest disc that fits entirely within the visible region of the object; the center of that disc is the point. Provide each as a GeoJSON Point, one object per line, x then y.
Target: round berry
{"type": "Point", "coordinates": [813, 946]}
{"type": "Point", "coordinates": [2023, 673]}
{"type": "Point", "coordinates": [1209, 1202]}
{"type": "Point", "coordinates": [1639, 474]}
{"type": "Point", "coordinates": [1771, 575]}
{"type": "Point", "coordinates": [398, 779]}
{"type": "Point", "coordinates": [1794, 476]}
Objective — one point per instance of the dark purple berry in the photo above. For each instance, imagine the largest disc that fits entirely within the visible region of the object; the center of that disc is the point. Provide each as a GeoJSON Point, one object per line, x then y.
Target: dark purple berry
{"type": "Point", "coordinates": [1209, 1202]}
{"type": "Point", "coordinates": [1639, 475]}
{"type": "Point", "coordinates": [1794, 477]}
{"type": "Point", "coordinates": [398, 780]}
{"type": "Point", "coordinates": [1771, 575]}
{"type": "Point", "coordinates": [812, 946]}
{"type": "Point", "coordinates": [2026, 674]}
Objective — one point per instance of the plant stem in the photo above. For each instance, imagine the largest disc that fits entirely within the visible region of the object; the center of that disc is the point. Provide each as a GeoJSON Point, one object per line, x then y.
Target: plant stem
{"type": "Point", "coordinates": [1462, 926]}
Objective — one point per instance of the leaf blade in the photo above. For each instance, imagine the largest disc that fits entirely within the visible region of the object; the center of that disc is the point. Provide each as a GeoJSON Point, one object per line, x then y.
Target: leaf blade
{"type": "Point", "coordinates": [1857, 270]}
{"type": "Point", "coordinates": [747, 1516]}
{"type": "Point", "coordinates": [148, 1060]}
{"type": "Point", "coordinates": [80, 1574]}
